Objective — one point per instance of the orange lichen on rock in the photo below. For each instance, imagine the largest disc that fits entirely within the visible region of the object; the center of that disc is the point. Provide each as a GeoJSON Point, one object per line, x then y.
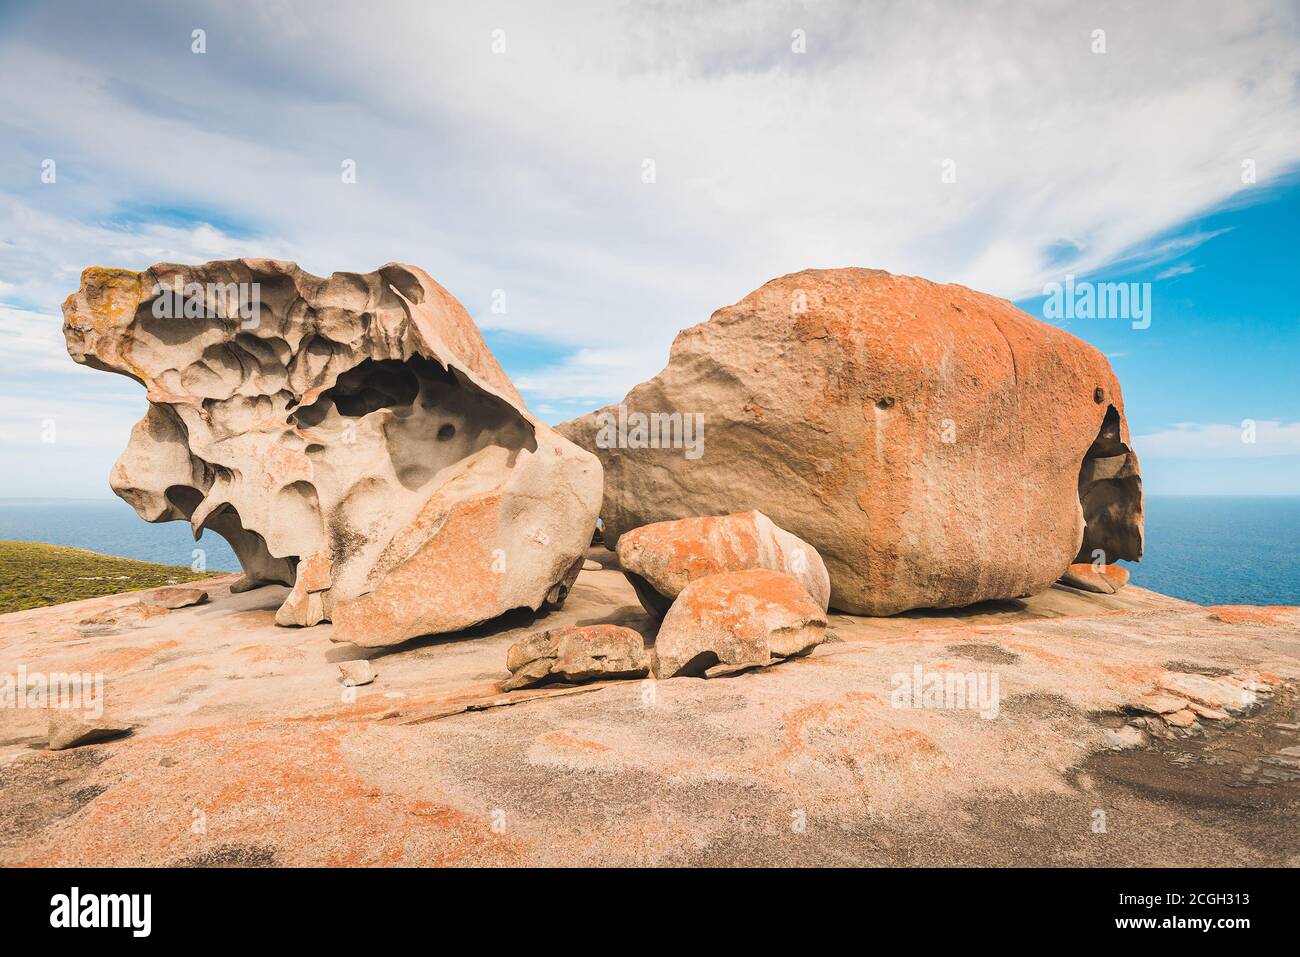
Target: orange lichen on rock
{"type": "Point", "coordinates": [662, 559]}
{"type": "Point", "coordinates": [737, 618]}
{"type": "Point", "coordinates": [936, 446]}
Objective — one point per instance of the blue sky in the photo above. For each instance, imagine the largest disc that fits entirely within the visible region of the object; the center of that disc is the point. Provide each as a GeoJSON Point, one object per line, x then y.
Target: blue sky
{"type": "Point", "coordinates": [520, 169]}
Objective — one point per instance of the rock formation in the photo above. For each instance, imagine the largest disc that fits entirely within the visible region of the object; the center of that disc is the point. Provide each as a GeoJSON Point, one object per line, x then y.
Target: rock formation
{"type": "Point", "coordinates": [1103, 579]}
{"type": "Point", "coordinates": [662, 559]}
{"type": "Point", "coordinates": [350, 436]}
{"type": "Point", "coordinates": [936, 445]}
{"type": "Point", "coordinates": [737, 619]}
{"type": "Point", "coordinates": [576, 653]}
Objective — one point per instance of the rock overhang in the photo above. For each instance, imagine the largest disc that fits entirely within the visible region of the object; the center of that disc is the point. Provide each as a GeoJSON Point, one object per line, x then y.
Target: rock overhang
{"type": "Point", "coordinates": [338, 431]}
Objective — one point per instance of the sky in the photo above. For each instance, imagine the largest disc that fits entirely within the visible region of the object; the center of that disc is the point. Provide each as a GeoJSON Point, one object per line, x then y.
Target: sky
{"type": "Point", "coordinates": [613, 173]}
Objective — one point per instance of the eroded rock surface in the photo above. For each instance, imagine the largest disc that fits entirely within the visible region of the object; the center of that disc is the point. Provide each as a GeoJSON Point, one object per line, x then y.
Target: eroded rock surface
{"type": "Point", "coordinates": [350, 436]}
{"type": "Point", "coordinates": [576, 653]}
{"type": "Point", "coordinates": [737, 619]}
{"type": "Point", "coordinates": [937, 446]}
{"type": "Point", "coordinates": [662, 559]}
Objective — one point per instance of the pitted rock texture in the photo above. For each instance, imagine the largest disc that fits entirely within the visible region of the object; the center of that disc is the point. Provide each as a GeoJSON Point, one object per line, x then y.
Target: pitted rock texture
{"type": "Point", "coordinates": [576, 653]}
{"type": "Point", "coordinates": [737, 618]}
{"type": "Point", "coordinates": [937, 446]}
{"type": "Point", "coordinates": [662, 559]}
{"type": "Point", "coordinates": [351, 436]}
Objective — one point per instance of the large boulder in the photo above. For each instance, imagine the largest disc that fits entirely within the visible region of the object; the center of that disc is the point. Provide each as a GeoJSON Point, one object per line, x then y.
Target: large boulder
{"type": "Point", "coordinates": [350, 436]}
{"type": "Point", "coordinates": [662, 559]}
{"type": "Point", "coordinates": [737, 619]}
{"type": "Point", "coordinates": [936, 445]}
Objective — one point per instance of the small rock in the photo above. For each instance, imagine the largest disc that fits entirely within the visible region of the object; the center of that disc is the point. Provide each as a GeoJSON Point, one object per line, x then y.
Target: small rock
{"type": "Point", "coordinates": [1122, 739]}
{"type": "Point", "coordinates": [356, 673]}
{"type": "Point", "coordinates": [576, 653]}
{"type": "Point", "coordinates": [1214, 714]}
{"type": "Point", "coordinates": [1181, 719]}
{"type": "Point", "coordinates": [1103, 579]}
{"type": "Point", "coordinates": [663, 558]}
{"type": "Point", "coordinates": [590, 565]}
{"type": "Point", "coordinates": [737, 618]}
{"type": "Point", "coordinates": [177, 596]}
{"type": "Point", "coordinates": [68, 729]}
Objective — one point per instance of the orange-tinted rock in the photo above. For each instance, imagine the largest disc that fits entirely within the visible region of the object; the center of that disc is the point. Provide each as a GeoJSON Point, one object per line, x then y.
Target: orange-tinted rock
{"type": "Point", "coordinates": [926, 439]}
{"type": "Point", "coordinates": [351, 436]}
{"type": "Point", "coordinates": [177, 596]}
{"type": "Point", "coordinates": [1103, 579]}
{"type": "Point", "coordinates": [737, 618]}
{"type": "Point", "coordinates": [662, 559]}
{"type": "Point", "coordinates": [576, 653]}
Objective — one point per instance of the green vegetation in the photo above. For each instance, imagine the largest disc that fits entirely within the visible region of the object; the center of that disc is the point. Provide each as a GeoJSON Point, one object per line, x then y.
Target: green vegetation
{"type": "Point", "coordinates": [33, 575]}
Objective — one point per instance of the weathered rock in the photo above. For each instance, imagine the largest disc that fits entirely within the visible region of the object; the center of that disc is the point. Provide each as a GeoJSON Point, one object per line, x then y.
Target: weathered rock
{"type": "Point", "coordinates": [925, 439]}
{"type": "Point", "coordinates": [662, 559]}
{"type": "Point", "coordinates": [1181, 719]}
{"type": "Point", "coordinates": [737, 618]}
{"type": "Point", "coordinates": [1157, 703]}
{"type": "Point", "coordinates": [1126, 737]}
{"type": "Point", "coordinates": [127, 614]}
{"type": "Point", "coordinates": [1103, 579]}
{"type": "Point", "coordinates": [351, 436]}
{"type": "Point", "coordinates": [591, 566]}
{"type": "Point", "coordinates": [69, 728]}
{"type": "Point", "coordinates": [356, 673]}
{"type": "Point", "coordinates": [576, 653]}
{"type": "Point", "coordinates": [177, 596]}
{"type": "Point", "coordinates": [1220, 693]}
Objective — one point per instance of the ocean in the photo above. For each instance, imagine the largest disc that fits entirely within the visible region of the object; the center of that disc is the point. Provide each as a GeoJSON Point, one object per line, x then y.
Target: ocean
{"type": "Point", "coordinates": [1213, 550]}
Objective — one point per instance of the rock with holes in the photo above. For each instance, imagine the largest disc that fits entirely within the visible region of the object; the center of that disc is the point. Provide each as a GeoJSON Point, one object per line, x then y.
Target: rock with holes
{"type": "Point", "coordinates": [936, 445]}
{"type": "Point", "coordinates": [576, 653]}
{"type": "Point", "coordinates": [351, 436]}
{"type": "Point", "coordinates": [744, 618]}
{"type": "Point", "coordinates": [662, 559]}
{"type": "Point", "coordinates": [1102, 579]}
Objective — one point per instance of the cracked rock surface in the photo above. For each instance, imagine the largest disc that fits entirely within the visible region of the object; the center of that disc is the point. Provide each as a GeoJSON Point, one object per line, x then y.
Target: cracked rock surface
{"type": "Point", "coordinates": [351, 437]}
{"type": "Point", "coordinates": [662, 559]}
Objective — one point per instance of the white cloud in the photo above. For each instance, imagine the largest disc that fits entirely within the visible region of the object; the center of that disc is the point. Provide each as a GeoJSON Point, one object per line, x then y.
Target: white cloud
{"type": "Point", "coordinates": [68, 422]}
{"type": "Point", "coordinates": [584, 376]}
{"type": "Point", "coordinates": [1181, 269]}
{"type": "Point", "coordinates": [522, 171]}
{"type": "Point", "coordinates": [1188, 440]}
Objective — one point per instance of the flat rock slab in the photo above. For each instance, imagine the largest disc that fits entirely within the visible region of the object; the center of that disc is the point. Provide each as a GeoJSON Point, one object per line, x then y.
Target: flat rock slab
{"type": "Point", "coordinates": [809, 762]}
